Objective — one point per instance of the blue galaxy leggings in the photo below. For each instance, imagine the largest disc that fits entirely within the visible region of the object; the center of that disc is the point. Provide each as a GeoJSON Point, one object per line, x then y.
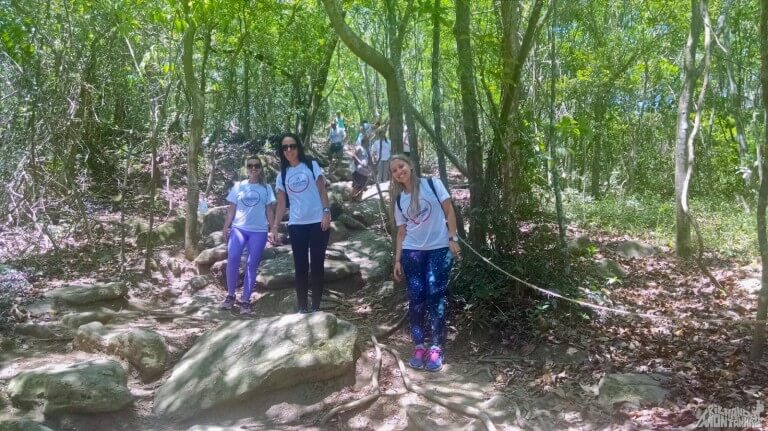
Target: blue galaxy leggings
{"type": "Point", "coordinates": [427, 275]}
{"type": "Point", "coordinates": [238, 238]}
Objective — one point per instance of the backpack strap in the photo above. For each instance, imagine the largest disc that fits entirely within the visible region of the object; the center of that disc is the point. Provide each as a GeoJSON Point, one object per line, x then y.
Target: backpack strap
{"type": "Point", "coordinates": [431, 183]}
{"type": "Point", "coordinates": [432, 186]}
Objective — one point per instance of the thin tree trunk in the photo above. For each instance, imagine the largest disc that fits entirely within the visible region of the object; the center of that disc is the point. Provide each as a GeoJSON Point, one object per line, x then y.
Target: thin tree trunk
{"type": "Point", "coordinates": [758, 339]}
{"type": "Point", "coordinates": [246, 121]}
{"type": "Point", "coordinates": [437, 110]}
{"type": "Point", "coordinates": [318, 86]}
{"type": "Point", "coordinates": [197, 103]}
{"type": "Point", "coordinates": [553, 140]}
{"type": "Point", "coordinates": [157, 119]}
{"type": "Point", "coordinates": [471, 123]}
{"type": "Point", "coordinates": [683, 154]}
{"type": "Point", "coordinates": [436, 98]}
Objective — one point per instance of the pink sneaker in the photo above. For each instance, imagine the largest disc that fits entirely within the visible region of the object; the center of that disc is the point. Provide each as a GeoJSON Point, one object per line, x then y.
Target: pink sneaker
{"type": "Point", "coordinates": [434, 359]}
{"type": "Point", "coordinates": [417, 361]}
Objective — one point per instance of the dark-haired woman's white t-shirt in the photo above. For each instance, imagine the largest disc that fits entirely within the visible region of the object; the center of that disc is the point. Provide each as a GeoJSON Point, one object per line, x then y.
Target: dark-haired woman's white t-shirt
{"type": "Point", "coordinates": [425, 230]}
{"type": "Point", "coordinates": [251, 202]}
{"type": "Point", "coordinates": [306, 206]}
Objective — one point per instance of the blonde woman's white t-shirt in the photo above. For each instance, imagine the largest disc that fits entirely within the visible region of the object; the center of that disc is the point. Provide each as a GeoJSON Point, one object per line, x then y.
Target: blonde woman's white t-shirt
{"type": "Point", "coordinates": [251, 202]}
{"type": "Point", "coordinates": [306, 206]}
{"type": "Point", "coordinates": [425, 230]}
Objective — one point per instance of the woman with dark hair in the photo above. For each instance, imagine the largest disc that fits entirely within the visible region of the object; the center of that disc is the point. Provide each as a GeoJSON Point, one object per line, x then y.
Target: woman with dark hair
{"type": "Point", "coordinates": [301, 189]}
{"type": "Point", "coordinates": [249, 215]}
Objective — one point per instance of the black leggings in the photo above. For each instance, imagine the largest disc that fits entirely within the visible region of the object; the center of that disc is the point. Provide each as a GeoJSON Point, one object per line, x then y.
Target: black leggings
{"type": "Point", "coordinates": [308, 243]}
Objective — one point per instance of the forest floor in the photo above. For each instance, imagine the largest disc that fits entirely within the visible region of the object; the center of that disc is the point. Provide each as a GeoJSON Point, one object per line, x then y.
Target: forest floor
{"type": "Point", "coordinates": [706, 362]}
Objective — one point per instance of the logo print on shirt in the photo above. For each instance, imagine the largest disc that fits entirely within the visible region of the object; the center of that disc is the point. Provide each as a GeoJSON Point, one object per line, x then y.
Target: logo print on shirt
{"type": "Point", "coordinates": [298, 183]}
{"type": "Point", "coordinates": [250, 197]}
{"type": "Point", "coordinates": [425, 211]}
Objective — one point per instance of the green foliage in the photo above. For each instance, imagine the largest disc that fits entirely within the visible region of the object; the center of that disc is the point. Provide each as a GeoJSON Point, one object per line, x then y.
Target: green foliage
{"type": "Point", "coordinates": [727, 228]}
{"type": "Point", "coordinates": [491, 300]}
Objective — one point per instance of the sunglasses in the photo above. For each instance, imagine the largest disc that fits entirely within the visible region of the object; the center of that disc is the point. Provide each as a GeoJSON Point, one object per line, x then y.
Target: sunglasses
{"type": "Point", "coordinates": [290, 147]}
{"type": "Point", "coordinates": [250, 166]}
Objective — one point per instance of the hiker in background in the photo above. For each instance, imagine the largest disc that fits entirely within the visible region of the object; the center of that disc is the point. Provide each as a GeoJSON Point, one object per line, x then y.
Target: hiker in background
{"type": "Point", "coordinates": [425, 248]}
{"type": "Point", "coordinates": [301, 189]}
{"type": "Point", "coordinates": [335, 143]}
{"type": "Point", "coordinates": [365, 134]}
{"type": "Point", "coordinates": [249, 215]}
{"type": "Point", "coordinates": [406, 141]}
{"type": "Point", "coordinates": [380, 150]}
{"type": "Point", "coordinates": [362, 171]}
{"type": "Point", "coordinates": [340, 123]}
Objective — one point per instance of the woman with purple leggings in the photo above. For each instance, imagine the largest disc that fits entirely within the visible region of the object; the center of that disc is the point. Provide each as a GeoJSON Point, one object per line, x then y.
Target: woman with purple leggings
{"type": "Point", "coordinates": [249, 215]}
{"type": "Point", "coordinates": [425, 248]}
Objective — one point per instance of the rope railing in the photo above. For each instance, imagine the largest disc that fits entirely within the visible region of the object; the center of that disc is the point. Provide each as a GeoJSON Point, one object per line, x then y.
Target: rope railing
{"type": "Point", "coordinates": [603, 308]}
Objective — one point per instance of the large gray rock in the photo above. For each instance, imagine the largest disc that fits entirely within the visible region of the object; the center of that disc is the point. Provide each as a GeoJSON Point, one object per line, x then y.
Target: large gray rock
{"type": "Point", "coordinates": [633, 249]}
{"type": "Point", "coordinates": [372, 252]}
{"type": "Point", "coordinates": [198, 282]}
{"type": "Point", "coordinates": [367, 212]}
{"type": "Point", "coordinates": [240, 359]}
{"type": "Point", "coordinates": [86, 294]}
{"type": "Point", "coordinates": [144, 349]}
{"type": "Point", "coordinates": [74, 320]}
{"type": "Point", "coordinates": [343, 188]}
{"type": "Point", "coordinates": [280, 273]}
{"type": "Point", "coordinates": [213, 220]}
{"type": "Point", "coordinates": [213, 239]}
{"type": "Point", "coordinates": [22, 425]}
{"type": "Point", "coordinates": [35, 330]}
{"type": "Point", "coordinates": [580, 246]}
{"type": "Point", "coordinates": [637, 389]}
{"type": "Point", "coordinates": [610, 269]}
{"type": "Point", "coordinates": [350, 222]}
{"type": "Point", "coordinates": [170, 231]}
{"type": "Point", "coordinates": [87, 387]}
{"type": "Point", "coordinates": [339, 232]}
{"type": "Point", "coordinates": [212, 255]}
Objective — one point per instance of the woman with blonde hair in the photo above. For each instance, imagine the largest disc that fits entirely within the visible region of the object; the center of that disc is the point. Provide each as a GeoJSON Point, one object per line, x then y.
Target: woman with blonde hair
{"type": "Point", "coordinates": [425, 247]}
{"type": "Point", "coordinates": [249, 215]}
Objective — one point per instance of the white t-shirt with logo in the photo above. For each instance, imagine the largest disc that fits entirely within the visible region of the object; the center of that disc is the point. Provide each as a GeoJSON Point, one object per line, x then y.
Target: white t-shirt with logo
{"type": "Point", "coordinates": [425, 230]}
{"type": "Point", "coordinates": [306, 206]}
{"type": "Point", "coordinates": [251, 202]}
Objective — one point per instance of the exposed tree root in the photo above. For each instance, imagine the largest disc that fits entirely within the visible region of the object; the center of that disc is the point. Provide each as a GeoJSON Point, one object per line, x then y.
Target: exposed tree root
{"type": "Point", "coordinates": [385, 330]}
{"type": "Point", "coordinates": [375, 393]}
{"type": "Point", "coordinates": [455, 407]}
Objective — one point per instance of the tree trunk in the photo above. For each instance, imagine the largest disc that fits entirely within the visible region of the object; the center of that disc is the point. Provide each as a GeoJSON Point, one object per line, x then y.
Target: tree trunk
{"type": "Point", "coordinates": [599, 108]}
{"type": "Point", "coordinates": [553, 154]}
{"type": "Point", "coordinates": [758, 340]}
{"type": "Point", "coordinates": [318, 86]}
{"type": "Point", "coordinates": [469, 103]}
{"type": "Point", "coordinates": [245, 122]}
{"type": "Point", "coordinates": [196, 99]}
{"type": "Point", "coordinates": [387, 69]}
{"type": "Point", "coordinates": [436, 98]}
{"type": "Point", "coordinates": [683, 153]}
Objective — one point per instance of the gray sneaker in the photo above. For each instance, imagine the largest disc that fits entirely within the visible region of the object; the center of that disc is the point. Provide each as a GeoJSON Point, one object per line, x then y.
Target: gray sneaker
{"type": "Point", "coordinates": [228, 303]}
{"type": "Point", "coordinates": [245, 308]}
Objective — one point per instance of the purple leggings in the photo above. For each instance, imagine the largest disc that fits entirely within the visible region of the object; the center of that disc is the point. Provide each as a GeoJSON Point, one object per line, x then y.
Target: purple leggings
{"type": "Point", "coordinates": [238, 238]}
